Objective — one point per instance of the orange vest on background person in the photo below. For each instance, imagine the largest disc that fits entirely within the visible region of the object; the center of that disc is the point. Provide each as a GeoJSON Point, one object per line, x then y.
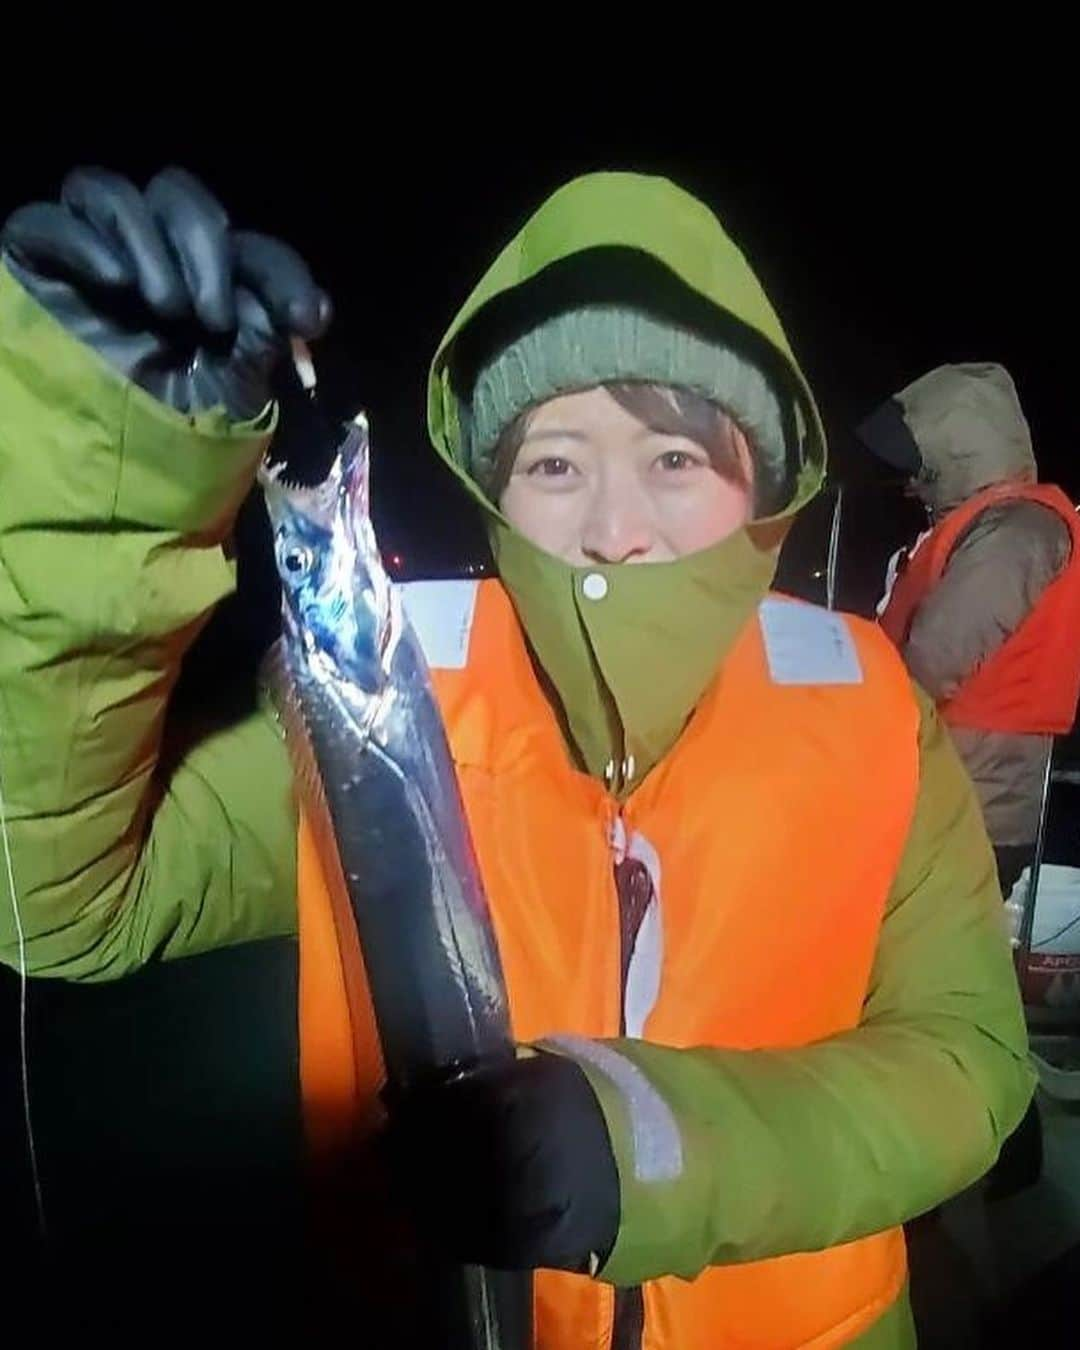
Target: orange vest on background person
{"type": "Point", "coordinates": [769, 929]}
{"type": "Point", "coordinates": [1031, 683]}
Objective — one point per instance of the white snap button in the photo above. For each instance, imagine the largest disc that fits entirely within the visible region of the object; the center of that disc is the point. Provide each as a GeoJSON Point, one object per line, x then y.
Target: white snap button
{"type": "Point", "coordinates": [594, 587]}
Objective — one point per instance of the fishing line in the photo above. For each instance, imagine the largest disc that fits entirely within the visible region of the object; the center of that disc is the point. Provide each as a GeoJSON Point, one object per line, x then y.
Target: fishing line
{"type": "Point", "coordinates": [24, 1000]}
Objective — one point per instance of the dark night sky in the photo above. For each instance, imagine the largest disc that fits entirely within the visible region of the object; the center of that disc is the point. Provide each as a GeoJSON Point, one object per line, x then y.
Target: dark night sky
{"type": "Point", "coordinates": [887, 246]}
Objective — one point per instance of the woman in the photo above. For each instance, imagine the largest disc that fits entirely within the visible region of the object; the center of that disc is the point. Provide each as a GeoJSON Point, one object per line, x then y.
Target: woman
{"type": "Point", "coordinates": [744, 901]}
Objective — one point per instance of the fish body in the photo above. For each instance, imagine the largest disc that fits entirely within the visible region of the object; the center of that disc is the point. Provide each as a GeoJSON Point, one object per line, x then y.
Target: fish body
{"type": "Point", "coordinates": [377, 779]}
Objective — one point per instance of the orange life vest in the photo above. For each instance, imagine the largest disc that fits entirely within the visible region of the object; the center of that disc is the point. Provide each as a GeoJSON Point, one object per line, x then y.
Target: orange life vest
{"type": "Point", "coordinates": [1030, 684]}
{"type": "Point", "coordinates": [768, 927]}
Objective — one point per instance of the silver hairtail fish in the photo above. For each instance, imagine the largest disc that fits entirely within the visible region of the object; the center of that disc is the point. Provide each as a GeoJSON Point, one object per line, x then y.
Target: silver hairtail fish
{"type": "Point", "coordinates": [374, 771]}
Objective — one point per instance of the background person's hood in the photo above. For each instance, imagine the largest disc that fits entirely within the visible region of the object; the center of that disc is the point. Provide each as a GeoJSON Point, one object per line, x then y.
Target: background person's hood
{"type": "Point", "coordinates": [965, 430]}
{"type": "Point", "coordinates": [628, 669]}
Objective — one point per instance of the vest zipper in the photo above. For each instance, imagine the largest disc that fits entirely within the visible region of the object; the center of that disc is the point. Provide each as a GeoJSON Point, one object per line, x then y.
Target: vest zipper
{"type": "Point", "coordinates": [628, 1327]}
{"type": "Point", "coordinates": [628, 1322]}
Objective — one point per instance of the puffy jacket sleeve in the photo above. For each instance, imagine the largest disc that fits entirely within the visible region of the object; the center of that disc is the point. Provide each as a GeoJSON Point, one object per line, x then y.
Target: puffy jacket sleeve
{"type": "Point", "coordinates": [790, 1151]}
{"type": "Point", "coordinates": [114, 519]}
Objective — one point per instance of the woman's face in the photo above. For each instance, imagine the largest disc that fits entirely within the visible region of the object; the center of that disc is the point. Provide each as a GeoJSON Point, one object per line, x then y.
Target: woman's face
{"type": "Point", "coordinates": [592, 484]}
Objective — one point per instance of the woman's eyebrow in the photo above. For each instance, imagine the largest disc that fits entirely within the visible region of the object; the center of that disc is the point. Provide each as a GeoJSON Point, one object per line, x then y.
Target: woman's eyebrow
{"type": "Point", "coordinates": [554, 434]}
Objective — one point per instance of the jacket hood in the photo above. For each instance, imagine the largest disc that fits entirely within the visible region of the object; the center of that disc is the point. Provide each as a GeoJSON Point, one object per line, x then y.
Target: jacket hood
{"type": "Point", "coordinates": [623, 693]}
{"type": "Point", "coordinates": [956, 430]}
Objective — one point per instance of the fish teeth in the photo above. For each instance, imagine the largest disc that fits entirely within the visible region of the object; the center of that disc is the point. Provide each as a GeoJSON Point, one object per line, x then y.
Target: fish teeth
{"type": "Point", "coordinates": [276, 474]}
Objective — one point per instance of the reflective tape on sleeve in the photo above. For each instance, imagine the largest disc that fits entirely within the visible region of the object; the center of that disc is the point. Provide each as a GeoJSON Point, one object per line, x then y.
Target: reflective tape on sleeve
{"type": "Point", "coordinates": [657, 1144]}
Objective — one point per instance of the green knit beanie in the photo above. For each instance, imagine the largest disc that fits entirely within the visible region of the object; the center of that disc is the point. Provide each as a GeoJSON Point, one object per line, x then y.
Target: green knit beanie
{"type": "Point", "coordinates": [600, 343]}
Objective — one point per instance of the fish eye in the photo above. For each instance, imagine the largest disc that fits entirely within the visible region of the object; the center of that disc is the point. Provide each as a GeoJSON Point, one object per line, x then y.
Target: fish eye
{"type": "Point", "coordinates": [296, 559]}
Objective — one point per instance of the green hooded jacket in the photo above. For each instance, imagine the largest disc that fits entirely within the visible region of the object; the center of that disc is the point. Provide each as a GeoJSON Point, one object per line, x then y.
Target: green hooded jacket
{"type": "Point", "coordinates": [115, 514]}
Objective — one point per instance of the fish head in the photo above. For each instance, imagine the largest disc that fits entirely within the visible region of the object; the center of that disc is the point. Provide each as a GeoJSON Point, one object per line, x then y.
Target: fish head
{"type": "Point", "coordinates": [341, 615]}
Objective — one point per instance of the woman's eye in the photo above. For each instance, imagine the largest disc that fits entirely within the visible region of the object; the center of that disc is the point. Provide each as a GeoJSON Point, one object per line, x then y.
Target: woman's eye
{"type": "Point", "coordinates": [552, 467]}
{"type": "Point", "coordinates": [676, 460]}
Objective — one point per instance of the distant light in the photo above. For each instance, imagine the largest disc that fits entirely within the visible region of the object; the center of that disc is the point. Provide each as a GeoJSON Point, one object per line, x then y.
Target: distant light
{"type": "Point", "coordinates": [395, 559]}
{"type": "Point", "coordinates": [817, 575]}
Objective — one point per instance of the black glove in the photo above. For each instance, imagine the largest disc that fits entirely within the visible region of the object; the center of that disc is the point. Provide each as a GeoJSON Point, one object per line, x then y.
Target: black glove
{"type": "Point", "coordinates": [509, 1166]}
{"type": "Point", "coordinates": [195, 312]}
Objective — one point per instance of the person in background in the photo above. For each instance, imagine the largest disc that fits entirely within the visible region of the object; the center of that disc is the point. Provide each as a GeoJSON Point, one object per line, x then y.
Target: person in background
{"type": "Point", "coordinates": [985, 605]}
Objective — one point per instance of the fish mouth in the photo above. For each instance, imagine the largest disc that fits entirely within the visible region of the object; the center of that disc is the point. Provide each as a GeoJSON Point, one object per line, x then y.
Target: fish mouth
{"type": "Point", "coordinates": [342, 491]}
{"type": "Point", "coordinates": [338, 505]}
{"type": "Point", "coordinates": [316, 501]}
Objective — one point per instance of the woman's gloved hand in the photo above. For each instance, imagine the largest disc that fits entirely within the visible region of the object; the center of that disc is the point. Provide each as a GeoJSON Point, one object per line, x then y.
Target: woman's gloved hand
{"type": "Point", "coordinates": [510, 1166]}
{"type": "Point", "coordinates": [158, 282]}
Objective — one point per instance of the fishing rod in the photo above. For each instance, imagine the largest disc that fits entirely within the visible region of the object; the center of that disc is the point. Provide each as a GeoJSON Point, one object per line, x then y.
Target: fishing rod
{"type": "Point", "coordinates": [832, 560]}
